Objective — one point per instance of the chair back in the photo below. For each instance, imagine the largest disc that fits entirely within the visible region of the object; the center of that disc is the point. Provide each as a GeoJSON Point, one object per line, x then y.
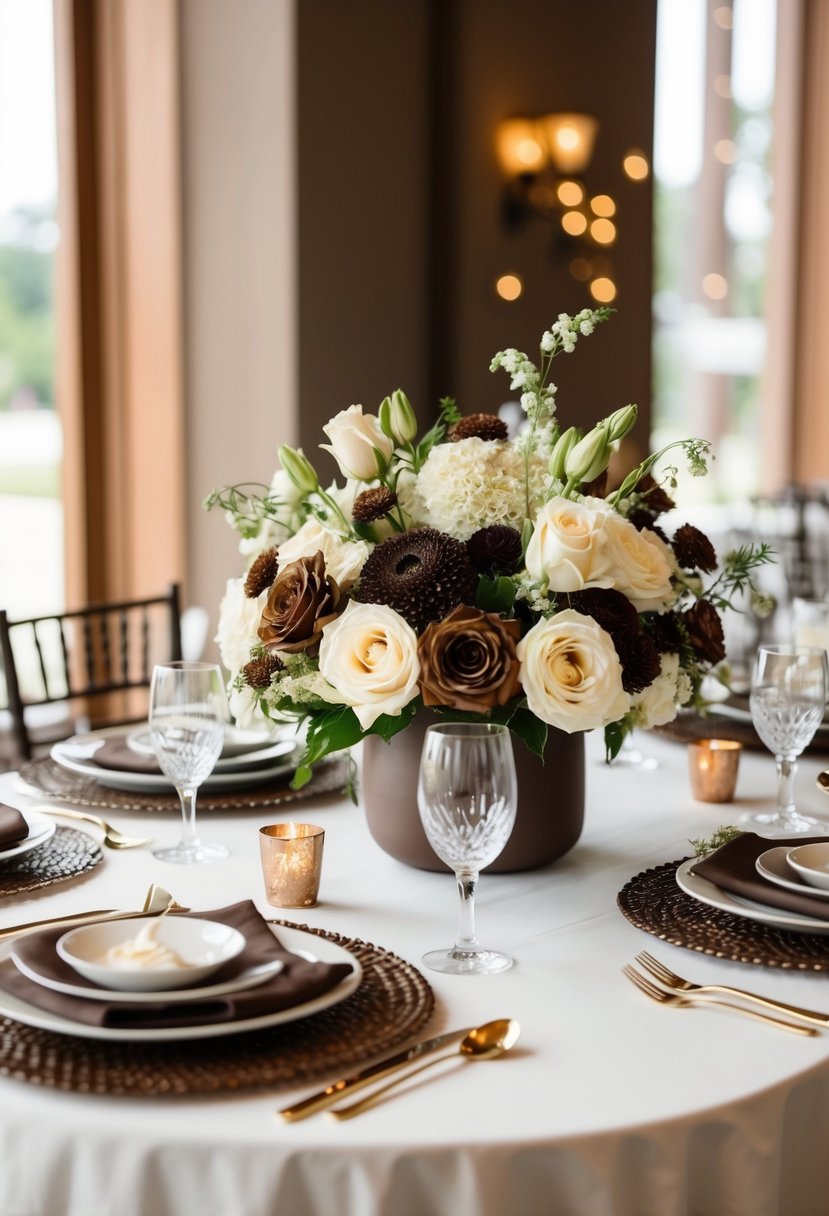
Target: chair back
{"type": "Point", "coordinates": [97, 655]}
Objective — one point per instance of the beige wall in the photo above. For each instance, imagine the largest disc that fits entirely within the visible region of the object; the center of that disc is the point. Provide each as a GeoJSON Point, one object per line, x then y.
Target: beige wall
{"type": "Point", "coordinates": [239, 234]}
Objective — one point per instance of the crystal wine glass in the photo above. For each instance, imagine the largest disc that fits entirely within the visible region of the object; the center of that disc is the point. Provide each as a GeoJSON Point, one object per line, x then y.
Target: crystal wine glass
{"type": "Point", "coordinates": [788, 697]}
{"type": "Point", "coordinates": [188, 710]}
{"type": "Point", "coordinates": [467, 796]}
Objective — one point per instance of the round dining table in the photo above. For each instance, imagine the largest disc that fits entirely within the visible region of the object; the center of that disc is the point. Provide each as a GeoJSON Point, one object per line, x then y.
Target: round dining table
{"type": "Point", "coordinates": [608, 1105]}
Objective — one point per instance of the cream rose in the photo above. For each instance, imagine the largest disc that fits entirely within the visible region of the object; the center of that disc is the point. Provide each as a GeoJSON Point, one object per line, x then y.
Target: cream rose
{"type": "Point", "coordinates": [567, 547]}
{"type": "Point", "coordinates": [638, 565]}
{"type": "Point", "coordinates": [344, 559]}
{"type": "Point", "coordinates": [369, 656]}
{"type": "Point", "coordinates": [571, 673]}
{"type": "Point", "coordinates": [355, 439]}
{"type": "Point", "coordinates": [239, 619]}
{"type": "Point", "coordinates": [657, 704]}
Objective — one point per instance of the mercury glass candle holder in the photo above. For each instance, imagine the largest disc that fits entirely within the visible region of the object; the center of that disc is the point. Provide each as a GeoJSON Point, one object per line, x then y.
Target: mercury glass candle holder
{"type": "Point", "coordinates": [291, 863]}
{"type": "Point", "coordinates": [712, 768]}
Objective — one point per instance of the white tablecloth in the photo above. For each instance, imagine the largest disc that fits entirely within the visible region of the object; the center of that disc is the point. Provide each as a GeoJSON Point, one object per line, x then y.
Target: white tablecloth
{"type": "Point", "coordinates": [609, 1105]}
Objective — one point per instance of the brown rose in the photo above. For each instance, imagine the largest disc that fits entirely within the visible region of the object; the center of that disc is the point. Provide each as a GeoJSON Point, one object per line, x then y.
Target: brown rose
{"type": "Point", "coordinates": [300, 604]}
{"type": "Point", "coordinates": [705, 631]}
{"type": "Point", "coordinates": [468, 660]}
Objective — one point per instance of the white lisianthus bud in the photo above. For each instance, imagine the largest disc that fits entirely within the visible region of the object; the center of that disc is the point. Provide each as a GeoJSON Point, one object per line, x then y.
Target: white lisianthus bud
{"type": "Point", "coordinates": [566, 440]}
{"type": "Point", "coordinates": [299, 469]}
{"type": "Point", "coordinates": [358, 444]}
{"type": "Point", "coordinates": [589, 457]}
{"type": "Point", "coordinates": [620, 422]}
{"type": "Point", "coordinates": [397, 418]}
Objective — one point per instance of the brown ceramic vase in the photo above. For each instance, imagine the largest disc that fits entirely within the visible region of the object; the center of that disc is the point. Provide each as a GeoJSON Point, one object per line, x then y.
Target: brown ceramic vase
{"type": "Point", "coordinates": [550, 799]}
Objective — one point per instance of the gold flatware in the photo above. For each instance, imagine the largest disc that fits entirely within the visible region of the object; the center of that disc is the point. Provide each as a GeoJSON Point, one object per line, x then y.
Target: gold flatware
{"type": "Point", "coordinates": [157, 901]}
{"type": "Point", "coordinates": [484, 1043]}
{"type": "Point", "coordinates": [113, 839]}
{"type": "Point", "coordinates": [671, 980]}
{"type": "Point", "coordinates": [332, 1094]}
{"type": "Point", "coordinates": [675, 1001]}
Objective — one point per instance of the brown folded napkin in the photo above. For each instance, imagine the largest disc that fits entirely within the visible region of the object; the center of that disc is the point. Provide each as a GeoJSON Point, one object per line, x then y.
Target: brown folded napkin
{"type": "Point", "coordinates": [732, 868]}
{"type": "Point", "coordinates": [13, 827]}
{"type": "Point", "coordinates": [116, 753]}
{"type": "Point", "coordinates": [297, 982]}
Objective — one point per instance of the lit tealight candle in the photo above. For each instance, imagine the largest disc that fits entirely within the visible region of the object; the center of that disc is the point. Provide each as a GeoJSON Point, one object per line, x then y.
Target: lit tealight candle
{"type": "Point", "coordinates": [291, 863]}
{"type": "Point", "coordinates": [712, 767]}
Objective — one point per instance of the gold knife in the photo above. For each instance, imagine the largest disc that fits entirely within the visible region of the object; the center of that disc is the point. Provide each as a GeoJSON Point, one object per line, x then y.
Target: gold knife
{"type": "Point", "coordinates": [78, 918]}
{"type": "Point", "coordinates": [331, 1095]}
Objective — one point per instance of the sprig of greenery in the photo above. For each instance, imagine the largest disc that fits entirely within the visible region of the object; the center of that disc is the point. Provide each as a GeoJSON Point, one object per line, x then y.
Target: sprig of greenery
{"type": "Point", "coordinates": [738, 573]}
{"type": "Point", "coordinates": [716, 840]}
{"type": "Point", "coordinates": [696, 451]}
{"type": "Point", "coordinates": [247, 508]}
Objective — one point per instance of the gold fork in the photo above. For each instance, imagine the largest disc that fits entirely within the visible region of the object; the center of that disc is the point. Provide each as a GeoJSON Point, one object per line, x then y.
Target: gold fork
{"type": "Point", "coordinates": [113, 838]}
{"type": "Point", "coordinates": [676, 1001]}
{"type": "Point", "coordinates": [671, 980]}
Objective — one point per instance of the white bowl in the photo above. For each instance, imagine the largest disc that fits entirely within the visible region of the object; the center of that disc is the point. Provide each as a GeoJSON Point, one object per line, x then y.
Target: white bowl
{"type": "Point", "coordinates": [202, 946]}
{"type": "Point", "coordinates": [811, 862]}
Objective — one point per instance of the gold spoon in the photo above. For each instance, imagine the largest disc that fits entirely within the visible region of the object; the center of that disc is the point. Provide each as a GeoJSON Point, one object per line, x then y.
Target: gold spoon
{"type": "Point", "coordinates": [113, 839]}
{"type": "Point", "coordinates": [483, 1043]}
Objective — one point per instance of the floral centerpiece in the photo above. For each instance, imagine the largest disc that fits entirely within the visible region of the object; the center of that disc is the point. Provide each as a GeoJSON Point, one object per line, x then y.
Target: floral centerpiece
{"type": "Point", "coordinates": [473, 573]}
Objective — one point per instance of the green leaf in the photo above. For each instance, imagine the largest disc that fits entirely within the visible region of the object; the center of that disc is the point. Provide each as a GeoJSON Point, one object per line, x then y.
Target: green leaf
{"type": "Point", "coordinates": [388, 725]}
{"type": "Point", "coordinates": [495, 595]}
{"type": "Point", "coordinates": [530, 730]}
{"type": "Point", "coordinates": [614, 737]}
{"type": "Point", "coordinates": [330, 731]}
{"type": "Point", "coordinates": [526, 536]}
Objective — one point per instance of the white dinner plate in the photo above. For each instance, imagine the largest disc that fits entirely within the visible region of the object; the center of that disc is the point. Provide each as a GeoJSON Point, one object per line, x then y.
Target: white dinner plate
{"type": "Point", "coordinates": [40, 830]}
{"type": "Point", "coordinates": [277, 749]}
{"type": "Point", "coordinates": [76, 754]}
{"type": "Point", "coordinates": [296, 940]}
{"type": "Point", "coordinates": [246, 979]}
{"type": "Point", "coordinates": [708, 893]}
{"type": "Point", "coordinates": [772, 865]}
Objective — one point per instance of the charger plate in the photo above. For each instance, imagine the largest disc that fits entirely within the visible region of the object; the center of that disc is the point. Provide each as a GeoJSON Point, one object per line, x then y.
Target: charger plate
{"type": "Point", "coordinates": [653, 901]}
{"type": "Point", "coordinates": [64, 855]}
{"type": "Point", "coordinates": [392, 1004]}
{"type": "Point", "coordinates": [45, 776]}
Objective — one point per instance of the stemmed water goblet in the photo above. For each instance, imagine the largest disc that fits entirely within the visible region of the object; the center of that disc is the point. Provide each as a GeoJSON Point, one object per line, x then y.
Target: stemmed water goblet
{"type": "Point", "coordinates": [467, 796]}
{"type": "Point", "coordinates": [188, 710]}
{"type": "Point", "coordinates": [788, 697]}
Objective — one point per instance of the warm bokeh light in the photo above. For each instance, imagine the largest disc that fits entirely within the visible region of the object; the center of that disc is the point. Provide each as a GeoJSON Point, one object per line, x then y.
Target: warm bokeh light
{"type": "Point", "coordinates": [574, 223]}
{"type": "Point", "coordinates": [570, 139]}
{"type": "Point", "coordinates": [603, 290]}
{"type": "Point", "coordinates": [723, 17]}
{"type": "Point", "coordinates": [519, 147]}
{"type": "Point", "coordinates": [636, 166]}
{"type": "Point", "coordinates": [602, 204]}
{"type": "Point", "coordinates": [715, 286]}
{"type": "Point", "coordinates": [570, 194]}
{"type": "Point", "coordinates": [581, 269]}
{"type": "Point", "coordinates": [509, 286]}
{"type": "Point", "coordinates": [603, 232]}
{"type": "Point", "coordinates": [725, 151]}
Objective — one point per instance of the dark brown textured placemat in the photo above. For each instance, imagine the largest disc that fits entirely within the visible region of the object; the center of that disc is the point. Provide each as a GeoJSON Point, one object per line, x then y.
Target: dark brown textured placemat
{"type": "Point", "coordinates": [47, 777]}
{"type": "Point", "coordinates": [391, 1005]}
{"type": "Point", "coordinates": [654, 902]}
{"type": "Point", "coordinates": [64, 855]}
{"type": "Point", "coordinates": [689, 726]}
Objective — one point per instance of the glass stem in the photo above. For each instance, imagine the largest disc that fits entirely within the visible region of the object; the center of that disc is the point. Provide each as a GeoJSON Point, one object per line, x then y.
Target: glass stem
{"type": "Point", "coordinates": [467, 882]}
{"type": "Point", "coordinates": [786, 769]}
{"type": "Point", "coordinates": [188, 814]}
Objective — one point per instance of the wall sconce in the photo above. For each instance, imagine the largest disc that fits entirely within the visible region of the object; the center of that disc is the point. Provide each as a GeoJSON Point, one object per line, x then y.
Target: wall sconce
{"type": "Point", "coordinates": [544, 160]}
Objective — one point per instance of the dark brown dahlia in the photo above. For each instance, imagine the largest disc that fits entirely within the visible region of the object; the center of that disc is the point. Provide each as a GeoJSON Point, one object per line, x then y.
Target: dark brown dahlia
{"type": "Point", "coordinates": [495, 550]}
{"type": "Point", "coordinates": [640, 661]}
{"type": "Point", "coordinates": [371, 505]}
{"type": "Point", "coordinates": [421, 574]}
{"type": "Point", "coordinates": [643, 519]}
{"type": "Point", "coordinates": [258, 672]}
{"type": "Point", "coordinates": [654, 497]}
{"type": "Point", "coordinates": [262, 573]}
{"type": "Point", "coordinates": [468, 660]}
{"type": "Point", "coordinates": [608, 608]}
{"type": "Point", "coordinates": [478, 426]}
{"type": "Point", "coordinates": [664, 630]}
{"type": "Point", "coordinates": [693, 549]}
{"type": "Point", "coordinates": [705, 631]}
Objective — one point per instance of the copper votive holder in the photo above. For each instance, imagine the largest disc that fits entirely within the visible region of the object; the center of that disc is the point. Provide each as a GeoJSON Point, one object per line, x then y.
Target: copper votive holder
{"type": "Point", "coordinates": [291, 863]}
{"type": "Point", "coordinates": [712, 767]}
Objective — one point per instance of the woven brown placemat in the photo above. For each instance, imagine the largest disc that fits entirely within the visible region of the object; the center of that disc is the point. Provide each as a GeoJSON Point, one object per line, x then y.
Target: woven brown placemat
{"type": "Point", "coordinates": [64, 855]}
{"type": "Point", "coordinates": [689, 726]}
{"type": "Point", "coordinates": [392, 1003]}
{"type": "Point", "coordinates": [654, 902]}
{"type": "Point", "coordinates": [46, 776]}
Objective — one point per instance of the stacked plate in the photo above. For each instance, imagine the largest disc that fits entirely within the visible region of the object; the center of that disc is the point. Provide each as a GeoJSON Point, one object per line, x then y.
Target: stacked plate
{"type": "Point", "coordinates": [40, 830]}
{"type": "Point", "coordinates": [247, 759]}
{"type": "Point", "coordinates": [38, 989]}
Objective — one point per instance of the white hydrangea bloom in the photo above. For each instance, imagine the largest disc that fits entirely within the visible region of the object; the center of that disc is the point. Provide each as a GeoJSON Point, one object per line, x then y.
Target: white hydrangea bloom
{"type": "Point", "coordinates": [239, 619]}
{"type": "Point", "coordinates": [471, 484]}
